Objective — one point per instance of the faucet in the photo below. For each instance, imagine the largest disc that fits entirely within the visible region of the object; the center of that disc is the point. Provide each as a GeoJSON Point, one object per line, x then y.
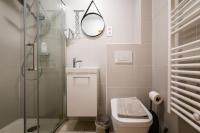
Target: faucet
{"type": "Point", "coordinates": [75, 61]}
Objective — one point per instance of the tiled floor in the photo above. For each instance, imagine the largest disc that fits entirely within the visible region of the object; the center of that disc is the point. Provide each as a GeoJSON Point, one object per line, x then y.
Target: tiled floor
{"type": "Point", "coordinates": [77, 126]}
{"type": "Point", "coordinates": [47, 125]}
{"type": "Point", "coordinates": [71, 126]}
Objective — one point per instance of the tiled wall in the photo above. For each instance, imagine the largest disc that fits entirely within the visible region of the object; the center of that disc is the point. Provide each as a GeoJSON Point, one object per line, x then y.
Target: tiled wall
{"type": "Point", "coordinates": [160, 62]}
{"type": "Point", "coordinates": [10, 40]}
{"type": "Point", "coordinates": [52, 81]}
{"type": "Point", "coordinates": [136, 79]}
{"type": "Point", "coordinates": [130, 80]}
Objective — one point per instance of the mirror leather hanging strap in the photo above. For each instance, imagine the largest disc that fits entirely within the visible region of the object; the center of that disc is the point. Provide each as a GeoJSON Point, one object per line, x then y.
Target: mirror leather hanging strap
{"type": "Point", "coordinates": [92, 2]}
{"type": "Point", "coordinates": [98, 28]}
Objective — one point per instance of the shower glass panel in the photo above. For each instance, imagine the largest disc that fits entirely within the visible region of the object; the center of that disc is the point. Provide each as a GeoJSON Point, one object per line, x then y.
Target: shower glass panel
{"type": "Point", "coordinates": [44, 65]}
{"type": "Point", "coordinates": [51, 63]}
{"type": "Point", "coordinates": [11, 53]}
{"type": "Point", "coordinates": [31, 113]}
{"type": "Point", "coordinates": [32, 66]}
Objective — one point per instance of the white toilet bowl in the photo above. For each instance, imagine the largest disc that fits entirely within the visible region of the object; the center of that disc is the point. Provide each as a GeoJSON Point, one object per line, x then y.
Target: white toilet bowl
{"type": "Point", "coordinates": [130, 125]}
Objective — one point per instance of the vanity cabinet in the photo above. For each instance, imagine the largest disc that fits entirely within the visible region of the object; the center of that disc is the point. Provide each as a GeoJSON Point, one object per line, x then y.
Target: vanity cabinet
{"type": "Point", "coordinates": [82, 92]}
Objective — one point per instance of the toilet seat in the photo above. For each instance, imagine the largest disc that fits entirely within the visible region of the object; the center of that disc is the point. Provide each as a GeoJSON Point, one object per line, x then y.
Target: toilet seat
{"type": "Point", "coordinates": [130, 122]}
{"type": "Point", "coordinates": [130, 108]}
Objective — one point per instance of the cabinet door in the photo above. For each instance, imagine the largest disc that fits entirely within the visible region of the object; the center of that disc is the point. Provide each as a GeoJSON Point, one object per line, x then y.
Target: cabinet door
{"type": "Point", "coordinates": [82, 95]}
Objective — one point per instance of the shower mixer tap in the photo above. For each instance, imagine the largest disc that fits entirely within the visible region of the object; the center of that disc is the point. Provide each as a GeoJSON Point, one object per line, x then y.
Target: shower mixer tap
{"type": "Point", "coordinates": [76, 61]}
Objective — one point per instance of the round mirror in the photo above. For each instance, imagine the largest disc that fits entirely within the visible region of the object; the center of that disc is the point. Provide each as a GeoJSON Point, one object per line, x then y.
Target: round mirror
{"type": "Point", "coordinates": [92, 24]}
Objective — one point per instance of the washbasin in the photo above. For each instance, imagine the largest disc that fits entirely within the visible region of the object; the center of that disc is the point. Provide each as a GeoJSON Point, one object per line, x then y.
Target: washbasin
{"type": "Point", "coordinates": [82, 70]}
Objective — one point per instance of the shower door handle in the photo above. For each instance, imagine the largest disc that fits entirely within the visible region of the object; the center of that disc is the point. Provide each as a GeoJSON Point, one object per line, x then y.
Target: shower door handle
{"type": "Point", "coordinates": [33, 68]}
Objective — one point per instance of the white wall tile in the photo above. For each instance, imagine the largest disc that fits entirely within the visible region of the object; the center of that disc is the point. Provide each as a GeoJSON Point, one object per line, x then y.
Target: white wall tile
{"type": "Point", "coordinates": [160, 62]}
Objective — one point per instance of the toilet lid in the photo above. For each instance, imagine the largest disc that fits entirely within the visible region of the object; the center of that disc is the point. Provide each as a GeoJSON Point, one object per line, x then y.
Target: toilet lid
{"type": "Point", "coordinates": [130, 108]}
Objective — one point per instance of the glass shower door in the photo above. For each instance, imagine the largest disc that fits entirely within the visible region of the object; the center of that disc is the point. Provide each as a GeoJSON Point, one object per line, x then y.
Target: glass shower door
{"type": "Point", "coordinates": [52, 64]}
{"type": "Point", "coordinates": [30, 65]}
{"type": "Point", "coordinates": [44, 65]}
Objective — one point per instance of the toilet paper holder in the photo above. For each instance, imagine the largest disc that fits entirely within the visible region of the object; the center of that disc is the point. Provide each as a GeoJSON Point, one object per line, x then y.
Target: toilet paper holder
{"type": "Point", "coordinates": [155, 98]}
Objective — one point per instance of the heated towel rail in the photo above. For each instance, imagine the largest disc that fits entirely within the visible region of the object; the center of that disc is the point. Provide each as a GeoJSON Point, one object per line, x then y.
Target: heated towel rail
{"type": "Point", "coordinates": [184, 60]}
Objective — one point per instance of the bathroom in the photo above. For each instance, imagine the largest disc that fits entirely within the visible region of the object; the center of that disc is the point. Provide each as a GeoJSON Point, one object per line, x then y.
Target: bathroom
{"type": "Point", "coordinates": [68, 65]}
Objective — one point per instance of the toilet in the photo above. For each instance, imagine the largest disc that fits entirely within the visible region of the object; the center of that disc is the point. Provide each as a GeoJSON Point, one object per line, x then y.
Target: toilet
{"type": "Point", "coordinates": [125, 121]}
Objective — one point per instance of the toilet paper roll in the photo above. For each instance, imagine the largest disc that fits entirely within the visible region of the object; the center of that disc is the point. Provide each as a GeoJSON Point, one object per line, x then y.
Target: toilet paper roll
{"type": "Point", "coordinates": [155, 97]}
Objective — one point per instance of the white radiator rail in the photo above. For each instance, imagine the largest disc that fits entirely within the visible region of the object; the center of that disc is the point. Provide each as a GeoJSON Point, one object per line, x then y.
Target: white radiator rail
{"type": "Point", "coordinates": [188, 93]}
{"type": "Point", "coordinates": [181, 4]}
{"type": "Point", "coordinates": [179, 21]}
{"type": "Point", "coordinates": [196, 42]}
{"type": "Point", "coordinates": [191, 22]}
{"type": "Point", "coordinates": [184, 61]}
{"type": "Point", "coordinates": [186, 51]}
{"type": "Point", "coordinates": [179, 10]}
{"type": "Point", "coordinates": [186, 119]}
{"type": "Point", "coordinates": [188, 86]}
{"type": "Point", "coordinates": [192, 65]}
{"type": "Point", "coordinates": [184, 13]}
{"type": "Point", "coordinates": [186, 79]}
{"type": "Point", "coordinates": [186, 99]}
{"type": "Point", "coordinates": [190, 58]}
{"type": "Point", "coordinates": [194, 110]}
{"type": "Point", "coordinates": [188, 114]}
{"type": "Point", "coordinates": [186, 72]}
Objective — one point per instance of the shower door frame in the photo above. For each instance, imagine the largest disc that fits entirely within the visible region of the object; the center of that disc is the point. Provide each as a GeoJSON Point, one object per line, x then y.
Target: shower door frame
{"type": "Point", "coordinates": [35, 67]}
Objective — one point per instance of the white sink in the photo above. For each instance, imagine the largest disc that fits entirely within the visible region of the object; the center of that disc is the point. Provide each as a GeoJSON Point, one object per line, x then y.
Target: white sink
{"type": "Point", "coordinates": [88, 70]}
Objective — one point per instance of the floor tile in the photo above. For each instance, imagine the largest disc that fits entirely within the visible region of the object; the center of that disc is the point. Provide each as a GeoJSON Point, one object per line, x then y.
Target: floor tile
{"type": "Point", "coordinates": [46, 125]}
{"type": "Point", "coordinates": [78, 126]}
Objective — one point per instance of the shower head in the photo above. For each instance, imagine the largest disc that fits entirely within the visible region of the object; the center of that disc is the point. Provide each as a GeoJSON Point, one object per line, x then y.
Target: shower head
{"type": "Point", "coordinates": [28, 7]}
{"type": "Point", "coordinates": [22, 3]}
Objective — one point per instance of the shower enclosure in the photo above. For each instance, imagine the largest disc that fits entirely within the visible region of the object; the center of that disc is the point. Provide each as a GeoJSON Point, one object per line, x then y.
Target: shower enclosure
{"type": "Point", "coordinates": [32, 66]}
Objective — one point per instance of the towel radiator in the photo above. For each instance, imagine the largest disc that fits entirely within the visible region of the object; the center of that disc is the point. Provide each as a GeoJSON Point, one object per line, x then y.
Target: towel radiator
{"type": "Point", "coordinates": [184, 60]}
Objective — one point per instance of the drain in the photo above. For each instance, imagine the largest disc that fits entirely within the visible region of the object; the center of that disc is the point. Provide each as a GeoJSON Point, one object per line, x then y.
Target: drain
{"type": "Point", "coordinates": [32, 129]}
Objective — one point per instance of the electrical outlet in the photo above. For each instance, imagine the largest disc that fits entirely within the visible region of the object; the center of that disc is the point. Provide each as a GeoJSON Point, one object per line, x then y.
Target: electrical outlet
{"type": "Point", "coordinates": [109, 31]}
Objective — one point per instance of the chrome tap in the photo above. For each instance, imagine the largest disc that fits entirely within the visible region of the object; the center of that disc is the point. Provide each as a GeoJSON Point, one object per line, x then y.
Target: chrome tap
{"type": "Point", "coordinates": [75, 61]}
